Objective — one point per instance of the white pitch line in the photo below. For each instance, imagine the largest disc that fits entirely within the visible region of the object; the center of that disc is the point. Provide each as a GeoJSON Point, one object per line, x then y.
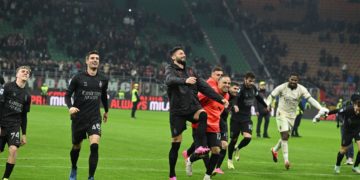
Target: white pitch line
{"type": "Point", "coordinates": [253, 173]}
{"type": "Point", "coordinates": [162, 159]}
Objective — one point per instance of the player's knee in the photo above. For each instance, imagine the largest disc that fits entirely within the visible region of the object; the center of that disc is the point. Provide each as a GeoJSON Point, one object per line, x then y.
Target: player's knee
{"type": "Point", "coordinates": [215, 150]}
{"type": "Point", "coordinates": [285, 136]}
{"type": "Point", "coordinates": [76, 146]}
{"type": "Point", "coordinates": [234, 139]}
{"type": "Point", "coordinates": [177, 138]}
{"type": "Point", "coordinates": [224, 145]}
{"type": "Point", "coordinates": [12, 150]}
{"type": "Point", "coordinates": [94, 148]}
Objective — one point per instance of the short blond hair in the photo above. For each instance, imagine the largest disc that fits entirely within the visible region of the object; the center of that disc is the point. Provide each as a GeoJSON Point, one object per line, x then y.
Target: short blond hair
{"type": "Point", "coordinates": [23, 67]}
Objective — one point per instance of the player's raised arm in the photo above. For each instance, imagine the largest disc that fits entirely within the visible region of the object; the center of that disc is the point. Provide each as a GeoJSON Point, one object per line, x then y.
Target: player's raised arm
{"type": "Point", "coordinates": [208, 91]}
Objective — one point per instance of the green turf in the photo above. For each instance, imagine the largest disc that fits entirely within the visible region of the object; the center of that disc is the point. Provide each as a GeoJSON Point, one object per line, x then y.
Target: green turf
{"type": "Point", "coordinates": [138, 149]}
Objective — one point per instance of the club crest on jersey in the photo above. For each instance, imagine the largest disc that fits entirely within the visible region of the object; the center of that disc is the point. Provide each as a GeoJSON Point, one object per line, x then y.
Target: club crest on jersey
{"type": "Point", "coordinates": [14, 93]}
{"type": "Point", "coordinates": [100, 84]}
{"type": "Point", "coordinates": [85, 83]}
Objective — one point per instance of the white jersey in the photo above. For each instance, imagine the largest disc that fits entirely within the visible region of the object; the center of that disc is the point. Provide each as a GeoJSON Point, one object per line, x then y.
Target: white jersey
{"type": "Point", "coordinates": [288, 99]}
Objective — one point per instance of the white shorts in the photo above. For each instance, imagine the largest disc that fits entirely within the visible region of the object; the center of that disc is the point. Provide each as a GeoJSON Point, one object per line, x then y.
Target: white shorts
{"type": "Point", "coordinates": [284, 124]}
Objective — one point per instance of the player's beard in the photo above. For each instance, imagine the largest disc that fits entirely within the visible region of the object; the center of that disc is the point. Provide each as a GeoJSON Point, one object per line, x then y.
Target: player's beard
{"type": "Point", "coordinates": [180, 61]}
{"type": "Point", "coordinates": [292, 86]}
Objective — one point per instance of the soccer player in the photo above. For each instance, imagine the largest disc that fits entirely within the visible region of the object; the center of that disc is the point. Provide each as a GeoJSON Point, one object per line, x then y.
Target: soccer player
{"type": "Point", "coordinates": [214, 110]}
{"type": "Point", "coordinates": [240, 120]}
{"type": "Point", "coordinates": [290, 94]}
{"type": "Point", "coordinates": [351, 128]}
{"type": "Point", "coordinates": [135, 98]}
{"type": "Point", "coordinates": [262, 112]}
{"type": "Point", "coordinates": [182, 88]}
{"type": "Point", "coordinates": [89, 88]}
{"type": "Point", "coordinates": [233, 91]}
{"type": "Point", "coordinates": [15, 106]}
{"type": "Point", "coordinates": [216, 73]}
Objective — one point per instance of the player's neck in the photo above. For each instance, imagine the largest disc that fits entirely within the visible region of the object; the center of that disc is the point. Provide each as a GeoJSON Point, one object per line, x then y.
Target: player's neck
{"type": "Point", "coordinates": [20, 83]}
{"type": "Point", "coordinates": [91, 72]}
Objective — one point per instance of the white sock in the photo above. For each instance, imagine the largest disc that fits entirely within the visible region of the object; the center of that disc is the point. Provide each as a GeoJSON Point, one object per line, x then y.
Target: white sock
{"type": "Point", "coordinates": [207, 176]}
{"type": "Point", "coordinates": [285, 150]}
{"type": "Point", "coordinates": [277, 146]}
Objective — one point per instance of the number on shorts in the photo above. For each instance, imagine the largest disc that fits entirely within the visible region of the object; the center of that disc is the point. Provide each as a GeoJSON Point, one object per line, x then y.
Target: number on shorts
{"type": "Point", "coordinates": [15, 134]}
{"type": "Point", "coordinates": [96, 126]}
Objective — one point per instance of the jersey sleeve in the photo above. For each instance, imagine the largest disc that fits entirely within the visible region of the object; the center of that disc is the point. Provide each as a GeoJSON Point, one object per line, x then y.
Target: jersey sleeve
{"type": "Point", "coordinates": [202, 98]}
{"type": "Point", "coordinates": [305, 93]}
{"type": "Point", "coordinates": [70, 90]}
{"type": "Point", "coordinates": [104, 98]}
{"type": "Point", "coordinates": [277, 90]}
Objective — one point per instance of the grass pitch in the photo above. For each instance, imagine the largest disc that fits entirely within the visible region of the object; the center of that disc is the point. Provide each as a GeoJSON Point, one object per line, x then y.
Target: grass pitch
{"type": "Point", "coordinates": [138, 149]}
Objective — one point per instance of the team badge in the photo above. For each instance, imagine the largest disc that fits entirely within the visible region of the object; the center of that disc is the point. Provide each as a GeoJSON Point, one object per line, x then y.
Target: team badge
{"type": "Point", "coordinates": [85, 83]}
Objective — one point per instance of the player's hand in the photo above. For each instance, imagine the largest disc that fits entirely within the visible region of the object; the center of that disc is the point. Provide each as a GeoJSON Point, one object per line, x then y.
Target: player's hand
{"type": "Point", "coordinates": [73, 110]}
{"type": "Point", "coordinates": [257, 113]}
{"type": "Point", "coordinates": [324, 111]}
{"type": "Point", "coordinates": [105, 117]}
{"type": "Point", "coordinates": [236, 108]}
{"type": "Point", "coordinates": [23, 140]}
{"type": "Point", "coordinates": [224, 144]}
{"type": "Point", "coordinates": [190, 80]}
{"type": "Point", "coordinates": [225, 102]}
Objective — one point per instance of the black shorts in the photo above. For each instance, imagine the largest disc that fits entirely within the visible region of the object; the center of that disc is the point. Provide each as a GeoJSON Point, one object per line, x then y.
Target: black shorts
{"type": "Point", "coordinates": [79, 130]}
{"type": "Point", "coordinates": [9, 135]}
{"type": "Point", "coordinates": [240, 125]}
{"type": "Point", "coordinates": [178, 123]}
{"type": "Point", "coordinates": [348, 136]}
{"type": "Point", "coordinates": [213, 139]}
{"type": "Point", "coordinates": [224, 136]}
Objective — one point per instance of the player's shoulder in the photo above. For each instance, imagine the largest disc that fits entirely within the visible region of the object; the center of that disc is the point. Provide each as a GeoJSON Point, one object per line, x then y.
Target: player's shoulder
{"type": "Point", "coordinates": [282, 86]}
{"type": "Point", "coordinates": [78, 75]}
{"type": "Point", "coordinates": [9, 85]}
{"type": "Point", "coordinates": [347, 109]}
{"type": "Point", "coordinates": [102, 77]}
{"type": "Point", "coordinates": [301, 86]}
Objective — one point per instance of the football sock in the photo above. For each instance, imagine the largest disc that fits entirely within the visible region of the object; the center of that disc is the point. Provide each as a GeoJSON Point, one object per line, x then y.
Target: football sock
{"type": "Point", "coordinates": [221, 158]}
{"type": "Point", "coordinates": [244, 142]}
{"type": "Point", "coordinates": [74, 156]}
{"type": "Point", "coordinates": [213, 161]}
{"type": "Point", "coordinates": [8, 169]}
{"type": "Point", "coordinates": [173, 155]}
{"type": "Point", "coordinates": [194, 157]}
{"type": "Point", "coordinates": [357, 161]}
{"type": "Point", "coordinates": [93, 159]}
{"type": "Point", "coordinates": [201, 130]}
{"type": "Point", "coordinates": [284, 146]}
{"type": "Point", "coordinates": [231, 148]}
{"type": "Point", "coordinates": [339, 158]}
{"type": "Point", "coordinates": [206, 160]}
{"type": "Point", "coordinates": [277, 146]}
{"type": "Point", "coordinates": [191, 149]}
